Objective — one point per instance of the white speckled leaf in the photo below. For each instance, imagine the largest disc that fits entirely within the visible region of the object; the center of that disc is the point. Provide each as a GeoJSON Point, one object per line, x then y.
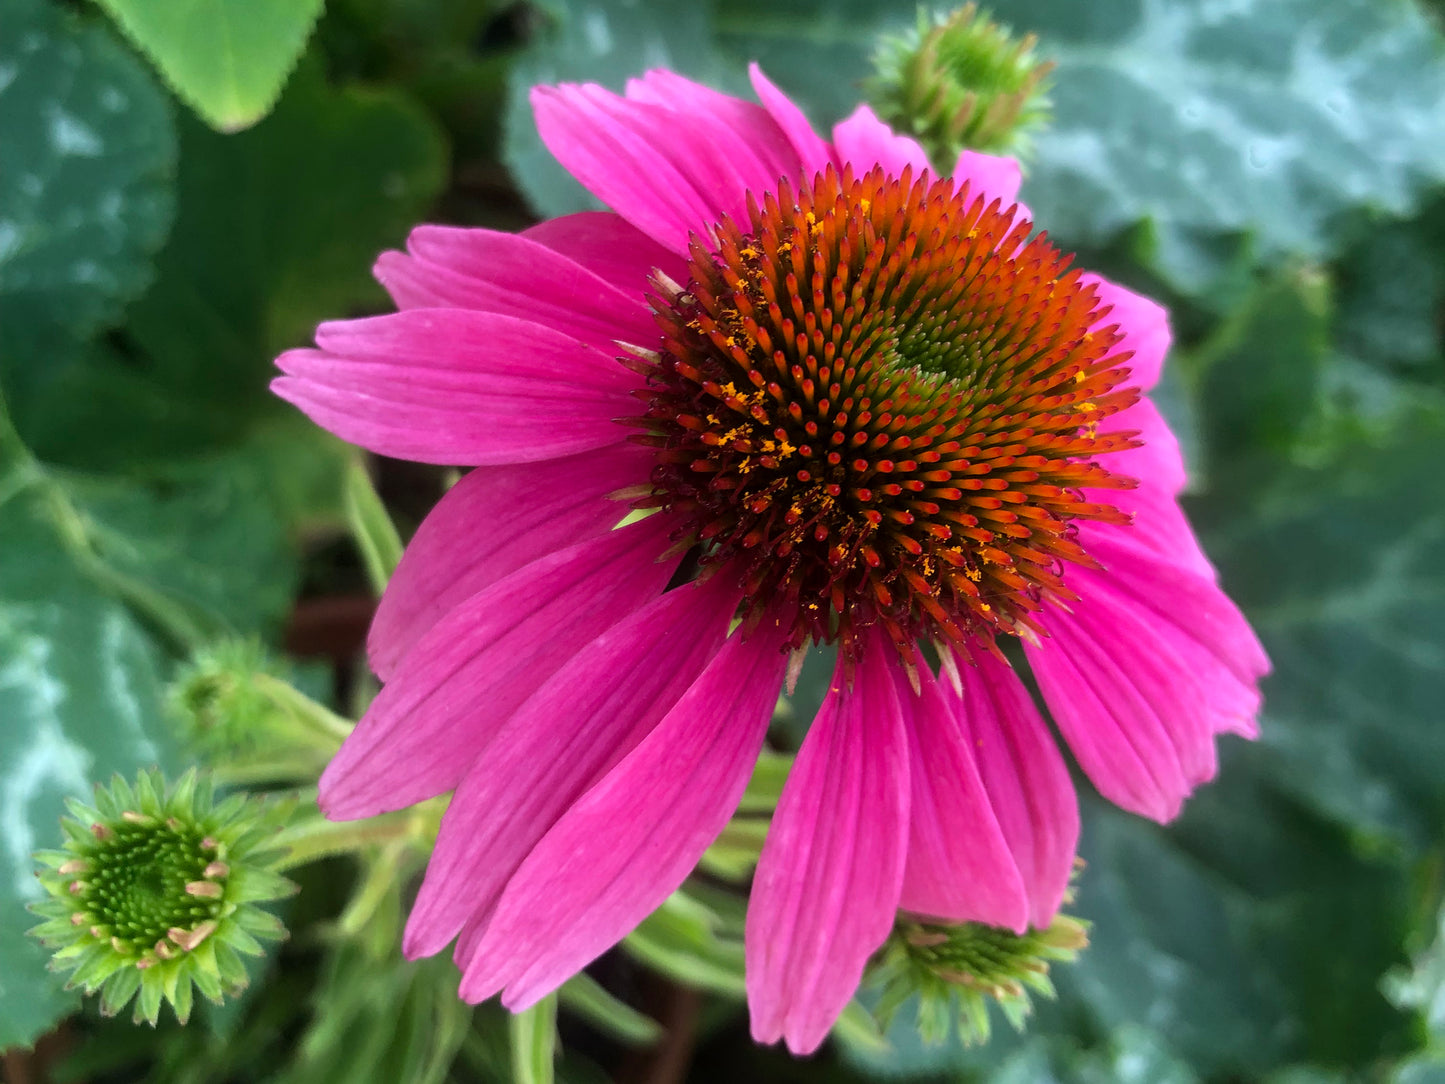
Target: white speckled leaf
{"type": "Point", "coordinates": [80, 698]}
{"type": "Point", "coordinates": [86, 194]}
{"type": "Point", "coordinates": [227, 59]}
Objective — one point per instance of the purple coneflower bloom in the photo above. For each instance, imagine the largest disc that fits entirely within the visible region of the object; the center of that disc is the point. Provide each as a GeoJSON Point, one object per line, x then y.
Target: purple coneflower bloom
{"type": "Point", "coordinates": [864, 406]}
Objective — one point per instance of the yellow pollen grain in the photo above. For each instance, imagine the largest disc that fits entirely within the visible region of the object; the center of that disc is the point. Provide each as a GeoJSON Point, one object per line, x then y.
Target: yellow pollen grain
{"type": "Point", "coordinates": [1079, 377]}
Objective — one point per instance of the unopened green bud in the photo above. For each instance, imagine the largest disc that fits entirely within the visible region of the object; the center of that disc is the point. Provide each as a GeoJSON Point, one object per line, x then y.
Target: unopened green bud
{"type": "Point", "coordinates": [961, 82]}
{"type": "Point", "coordinates": [957, 970]}
{"type": "Point", "coordinates": [155, 892]}
{"type": "Point", "coordinates": [238, 708]}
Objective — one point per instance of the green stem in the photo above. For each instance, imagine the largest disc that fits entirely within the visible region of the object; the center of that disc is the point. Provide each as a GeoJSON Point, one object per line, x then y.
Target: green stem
{"type": "Point", "coordinates": [320, 724]}
{"type": "Point", "coordinates": [316, 837]}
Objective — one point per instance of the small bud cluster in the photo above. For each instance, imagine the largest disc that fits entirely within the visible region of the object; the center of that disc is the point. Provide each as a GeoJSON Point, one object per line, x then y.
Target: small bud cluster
{"type": "Point", "coordinates": [155, 891]}
{"type": "Point", "coordinates": [961, 82]}
{"type": "Point", "coordinates": [957, 970]}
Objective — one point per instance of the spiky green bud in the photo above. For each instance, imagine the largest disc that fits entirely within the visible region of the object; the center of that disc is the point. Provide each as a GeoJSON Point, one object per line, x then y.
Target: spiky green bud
{"type": "Point", "coordinates": [155, 892]}
{"type": "Point", "coordinates": [957, 970]}
{"type": "Point", "coordinates": [961, 81]}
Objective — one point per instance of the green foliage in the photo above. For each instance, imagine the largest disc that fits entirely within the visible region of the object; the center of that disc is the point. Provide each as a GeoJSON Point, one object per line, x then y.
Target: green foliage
{"type": "Point", "coordinates": [227, 59]}
{"type": "Point", "coordinates": [87, 192]}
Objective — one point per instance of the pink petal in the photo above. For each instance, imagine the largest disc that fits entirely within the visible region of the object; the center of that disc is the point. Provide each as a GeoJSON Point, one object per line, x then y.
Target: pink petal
{"type": "Point", "coordinates": [516, 276]}
{"type": "Point", "coordinates": [660, 172]}
{"type": "Point", "coordinates": [1145, 325]}
{"type": "Point", "coordinates": [456, 387]}
{"type": "Point", "coordinates": [995, 177]}
{"type": "Point", "coordinates": [831, 871]}
{"type": "Point", "coordinates": [1153, 661]}
{"type": "Point", "coordinates": [742, 131]}
{"type": "Point", "coordinates": [1132, 742]}
{"type": "Point", "coordinates": [864, 141]}
{"type": "Point", "coordinates": [1195, 618]}
{"type": "Point", "coordinates": [466, 676]}
{"type": "Point", "coordinates": [813, 152]}
{"type": "Point", "coordinates": [611, 247]}
{"type": "Point", "coordinates": [1158, 466]}
{"type": "Point", "coordinates": [1025, 776]}
{"type": "Point", "coordinates": [632, 839]}
{"type": "Point", "coordinates": [586, 717]}
{"type": "Point", "coordinates": [491, 523]}
{"type": "Point", "coordinates": [959, 865]}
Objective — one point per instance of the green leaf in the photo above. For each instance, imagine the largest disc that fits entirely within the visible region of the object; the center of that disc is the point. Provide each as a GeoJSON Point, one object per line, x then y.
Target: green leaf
{"type": "Point", "coordinates": [598, 41]}
{"type": "Point", "coordinates": [86, 191]}
{"type": "Point", "coordinates": [371, 527]}
{"type": "Point", "coordinates": [1392, 289]}
{"type": "Point", "coordinates": [276, 230]}
{"type": "Point", "coordinates": [227, 59]}
{"type": "Point", "coordinates": [1421, 986]}
{"type": "Point", "coordinates": [585, 996]}
{"type": "Point", "coordinates": [534, 1043]}
{"type": "Point", "coordinates": [684, 940]}
{"type": "Point", "coordinates": [1258, 376]}
{"type": "Point", "coordinates": [1340, 565]}
{"type": "Point", "coordinates": [80, 696]}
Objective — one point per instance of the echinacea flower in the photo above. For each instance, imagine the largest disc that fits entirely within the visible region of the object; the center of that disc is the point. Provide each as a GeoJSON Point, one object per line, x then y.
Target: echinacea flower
{"type": "Point", "coordinates": [863, 405]}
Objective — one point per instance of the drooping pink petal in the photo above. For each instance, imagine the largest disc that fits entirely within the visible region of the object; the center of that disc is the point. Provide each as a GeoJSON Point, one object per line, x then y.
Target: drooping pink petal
{"type": "Point", "coordinates": [665, 178]}
{"type": "Point", "coordinates": [456, 387]}
{"type": "Point", "coordinates": [1127, 713]}
{"type": "Point", "coordinates": [1158, 463]}
{"type": "Point", "coordinates": [469, 673]}
{"type": "Point", "coordinates": [491, 523]}
{"type": "Point", "coordinates": [1144, 323]}
{"type": "Point", "coordinates": [959, 867]}
{"type": "Point", "coordinates": [1158, 466]}
{"type": "Point", "coordinates": [1025, 777]}
{"type": "Point", "coordinates": [814, 154]}
{"type": "Point", "coordinates": [742, 131]}
{"type": "Point", "coordinates": [863, 141]}
{"type": "Point", "coordinates": [611, 247]}
{"type": "Point", "coordinates": [1192, 615]}
{"type": "Point", "coordinates": [514, 275]}
{"type": "Point", "coordinates": [1151, 663]}
{"type": "Point", "coordinates": [632, 839]}
{"type": "Point", "coordinates": [995, 177]}
{"type": "Point", "coordinates": [829, 878]}
{"type": "Point", "coordinates": [587, 716]}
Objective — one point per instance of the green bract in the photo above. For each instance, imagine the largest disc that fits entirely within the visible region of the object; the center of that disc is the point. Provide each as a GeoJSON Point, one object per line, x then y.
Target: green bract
{"type": "Point", "coordinates": [974, 962]}
{"type": "Point", "coordinates": [961, 82]}
{"type": "Point", "coordinates": [155, 890]}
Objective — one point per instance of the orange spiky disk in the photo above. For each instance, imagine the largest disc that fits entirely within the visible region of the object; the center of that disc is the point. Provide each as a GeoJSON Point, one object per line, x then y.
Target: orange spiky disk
{"type": "Point", "coordinates": [879, 401]}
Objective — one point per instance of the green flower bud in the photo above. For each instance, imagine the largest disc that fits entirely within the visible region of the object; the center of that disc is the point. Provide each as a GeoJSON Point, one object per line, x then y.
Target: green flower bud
{"type": "Point", "coordinates": [155, 891]}
{"type": "Point", "coordinates": [957, 970]}
{"type": "Point", "coordinates": [247, 721]}
{"type": "Point", "coordinates": [961, 81]}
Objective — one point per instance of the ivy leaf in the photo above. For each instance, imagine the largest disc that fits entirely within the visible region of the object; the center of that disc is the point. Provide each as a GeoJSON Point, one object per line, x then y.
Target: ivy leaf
{"type": "Point", "coordinates": [226, 59]}
{"type": "Point", "coordinates": [86, 192]}
{"type": "Point", "coordinates": [276, 230]}
{"type": "Point", "coordinates": [80, 693]}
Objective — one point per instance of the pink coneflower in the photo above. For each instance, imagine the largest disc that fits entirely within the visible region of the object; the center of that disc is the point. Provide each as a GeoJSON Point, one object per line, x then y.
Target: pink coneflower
{"type": "Point", "coordinates": [863, 406]}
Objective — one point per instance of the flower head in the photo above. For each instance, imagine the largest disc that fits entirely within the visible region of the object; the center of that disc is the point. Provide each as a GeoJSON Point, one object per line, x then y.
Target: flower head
{"type": "Point", "coordinates": [156, 890]}
{"type": "Point", "coordinates": [859, 404]}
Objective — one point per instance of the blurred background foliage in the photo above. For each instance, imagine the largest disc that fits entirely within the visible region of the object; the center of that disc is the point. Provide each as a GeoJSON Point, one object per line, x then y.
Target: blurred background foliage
{"type": "Point", "coordinates": [188, 189]}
